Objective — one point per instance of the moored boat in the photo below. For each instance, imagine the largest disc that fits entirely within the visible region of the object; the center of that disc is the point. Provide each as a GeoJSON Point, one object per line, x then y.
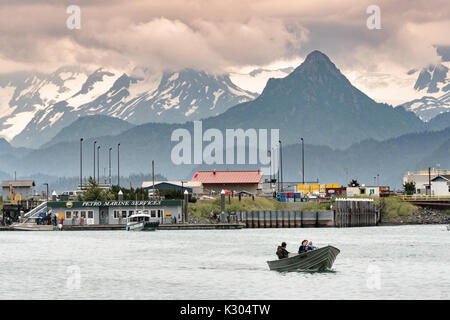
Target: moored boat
{"type": "Point", "coordinates": [141, 222]}
{"type": "Point", "coordinates": [32, 227]}
{"type": "Point", "coordinates": [316, 260]}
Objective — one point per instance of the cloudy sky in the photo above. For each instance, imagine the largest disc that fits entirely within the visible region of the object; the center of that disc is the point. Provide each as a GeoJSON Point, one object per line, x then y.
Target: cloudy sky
{"type": "Point", "coordinates": [227, 35]}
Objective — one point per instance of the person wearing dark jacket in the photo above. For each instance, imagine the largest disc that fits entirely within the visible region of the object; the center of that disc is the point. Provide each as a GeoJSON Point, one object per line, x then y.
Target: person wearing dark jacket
{"type": "Point", "coordinates": [303, 247]}
{"type": "Point", "coordinates": [282, 252]}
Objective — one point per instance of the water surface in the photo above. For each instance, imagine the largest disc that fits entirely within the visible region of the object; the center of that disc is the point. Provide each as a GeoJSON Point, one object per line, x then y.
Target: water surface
{"type": "Point", "coordinates": [404, 262]}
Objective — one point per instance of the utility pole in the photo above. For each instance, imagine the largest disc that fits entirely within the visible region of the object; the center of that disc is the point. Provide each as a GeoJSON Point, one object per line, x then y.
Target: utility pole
{"type": "Point", "coordinates": [281, 164]}
{"type": "Point", "coordinates": [153, 177]}
{"type": "Point", "coordinates": [118, 164]}
{"type": "Point", "coordinates": [270, 169]}
{"type": "Point", "coordinates": [303, 161]}
{"type": "Point", "coordinates": [98, 164]}
{"type": "Point", "coordinates": [95, 142]}
{"type": "Point", "coordinates": [110, 178]}
{"type": "Point", "coordinates": [81, 164]}
{"type": "Point", "coordinates": [429, 179]}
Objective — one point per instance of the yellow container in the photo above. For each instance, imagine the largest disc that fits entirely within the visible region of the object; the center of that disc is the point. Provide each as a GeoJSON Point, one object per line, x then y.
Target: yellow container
{"type": "Point", "coordinates": [336, 185]}
{"type": "Point", "coordinates": [314, 187]}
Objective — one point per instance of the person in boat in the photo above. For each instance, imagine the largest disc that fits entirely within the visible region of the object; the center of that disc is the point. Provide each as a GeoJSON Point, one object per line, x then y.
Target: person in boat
{"type": "Point", "coordinates": [303, 247]}
{"type": "Point", "coordinates": [310, 246]}
{"type": "Point", "coordinates": [282, 252]}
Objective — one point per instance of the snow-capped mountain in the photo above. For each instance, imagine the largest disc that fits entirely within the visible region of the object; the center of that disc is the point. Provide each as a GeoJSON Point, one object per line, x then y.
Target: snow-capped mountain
{"type": "Point", "coordinates": [22, 95]}
{"type": "Point", "coordinates": [433, 79]}
{"type": "Point", "coordinates": [35, 107]}
{"type": "Point", "coordinates": [428, 107]}
{"type": "Point", "coordinates": [256, 80]}
{"type": "Point", "coordinates": [434, 83]}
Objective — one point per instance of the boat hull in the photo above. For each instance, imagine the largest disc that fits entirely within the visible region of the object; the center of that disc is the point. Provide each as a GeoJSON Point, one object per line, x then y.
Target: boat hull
{"type": "Point", "coordinates": [142, 226]}
{"type": "Point", "coordinates": [32, 227]}
{"type": "Point", "coordinates": [316, 260]}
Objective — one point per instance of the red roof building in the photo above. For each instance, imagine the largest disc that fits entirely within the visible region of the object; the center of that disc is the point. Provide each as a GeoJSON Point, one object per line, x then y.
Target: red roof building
{"type": "Point", "coordinates": [216, 181]}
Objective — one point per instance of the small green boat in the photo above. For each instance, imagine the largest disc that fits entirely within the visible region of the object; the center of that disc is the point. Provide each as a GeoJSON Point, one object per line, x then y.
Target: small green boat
{"type": "Point", "coordinates": [141, 222]}
{"type": "Point", "coordinates": [316, 260]}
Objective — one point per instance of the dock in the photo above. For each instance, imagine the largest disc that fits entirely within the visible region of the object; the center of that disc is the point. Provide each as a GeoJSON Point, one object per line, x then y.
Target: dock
{"type": "Point", "coordinates": [201, 226]}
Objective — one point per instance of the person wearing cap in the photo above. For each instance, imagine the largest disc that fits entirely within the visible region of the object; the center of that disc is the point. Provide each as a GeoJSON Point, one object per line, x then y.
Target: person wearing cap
{"type": "Point", "coordinates": [282, 252]}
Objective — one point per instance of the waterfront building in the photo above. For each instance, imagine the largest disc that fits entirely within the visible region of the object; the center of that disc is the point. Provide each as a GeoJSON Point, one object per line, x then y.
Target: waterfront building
{"type": "Point", "coordinates": [423, 178]}
{"type": "Point", "coordinates": [215, 181]}
{"type": "Point", "coordinates": [115, 212]}
{"type": "Point", "coordinates": [374, 191]}
{"type": "Point", "coordinates": [440, 186]}
{"type": "Point", "coordinates": [21, 189]}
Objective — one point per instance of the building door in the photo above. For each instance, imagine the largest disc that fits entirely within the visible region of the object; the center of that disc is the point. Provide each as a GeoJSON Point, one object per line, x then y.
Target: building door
{"type": "Point", "coordinates": [104, 215]}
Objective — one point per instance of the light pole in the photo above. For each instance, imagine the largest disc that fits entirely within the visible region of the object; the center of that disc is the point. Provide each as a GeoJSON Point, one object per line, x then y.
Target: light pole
{"type": "Point", "coordinates": [281, 164]}
{"type": "Point", "coordinates": [270, 168]}
{"type": "Point", "coordinates": [118, 164]}
{"type": "Point", "coordinates": [46, 195]}
{"type": "Point", "coordinates": [110, 179]}
{"type": "Point", "coordinates": [81, 163]}
{"type": "Point", "coordinates": [98, 164]}
{"type": "Point", "coordinates": [95, 142]}
{"type": "Point", "coordinates": [303, 161]}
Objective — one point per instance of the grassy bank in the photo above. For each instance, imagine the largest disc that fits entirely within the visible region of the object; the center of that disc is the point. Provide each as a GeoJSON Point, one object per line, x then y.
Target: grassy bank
{"type": "Point", "coordinates": [395, 207]}
{"type": "Point", "coordinates": [203, 208]}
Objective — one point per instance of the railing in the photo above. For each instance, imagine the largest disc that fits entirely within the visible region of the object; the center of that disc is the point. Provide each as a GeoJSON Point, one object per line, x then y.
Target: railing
{"type": "Point", "coordinates": [425, 197]}
{"type": "Point", "coordinates": [32, 213]}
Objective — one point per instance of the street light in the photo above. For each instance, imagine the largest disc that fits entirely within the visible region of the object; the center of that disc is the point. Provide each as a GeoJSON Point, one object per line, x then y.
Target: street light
{"type": "Point", "coordinates": [270, 168]}
{"type": "Point", "coordinates": [281, 164]}
{"type": "Point", "coordinates": [95, 142]}
{"type": "Point", "coordinates": [303, 160]}
{"type": "Point", "coordinates": [81, 163]}
{"type": "Point", "coordinates": [98, 164]}
{"type": "Point", "coordinates": [110, 179]}
{"type": "Point", "coordinates": [118, 165]}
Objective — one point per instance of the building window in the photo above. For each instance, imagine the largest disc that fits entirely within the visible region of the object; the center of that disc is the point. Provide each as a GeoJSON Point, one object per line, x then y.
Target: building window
{"type": "Point", "coordinates": [124, 213]}
{"type": "Point", "coordinates": [90, 214]}
{"type": "Point", "coordinates": [68, 214]}
{"type": "Point", "coordinates": [83, 214]}
{"type": "Point", "coordinates": [153, 213]}
{"type": "Point", "coordinates": [159, 213]}
{"type": "Point", "coordinates": [116, 214]}
{"type": "Point", "coordinates": [75, 214]}
{"type": "Point", "coordinates": [130, 213]}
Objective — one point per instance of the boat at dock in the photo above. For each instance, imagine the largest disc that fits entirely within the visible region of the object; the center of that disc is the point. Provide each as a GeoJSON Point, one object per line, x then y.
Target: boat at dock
{"type": "Point", "coordinates": [141, 222]}
{"type": "Point", "coordinates": [316, 260]}
{"type": "Point", "coordinates": [32, 227]}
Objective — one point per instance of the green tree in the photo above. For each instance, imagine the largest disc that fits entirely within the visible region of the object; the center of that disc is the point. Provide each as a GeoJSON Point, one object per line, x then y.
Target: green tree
{"type": "Point", "coordinates": [353, 183]}
{"type": "Point", "coordinates": [131, 194]}
{"type": "Point", "coordinates": [409, 188]}
{"type": "Point", "coordinates": [95, 193]}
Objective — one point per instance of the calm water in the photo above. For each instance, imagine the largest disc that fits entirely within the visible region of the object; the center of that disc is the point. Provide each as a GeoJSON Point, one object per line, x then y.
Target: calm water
{"type": "Point", "coordinates": [375, 263]}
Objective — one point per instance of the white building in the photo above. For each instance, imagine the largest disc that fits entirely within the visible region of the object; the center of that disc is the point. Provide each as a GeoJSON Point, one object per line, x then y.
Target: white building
{"type": "Point", "coordinates": [440, 186]}
{"type": "Point", "coordinates": [422, 179]}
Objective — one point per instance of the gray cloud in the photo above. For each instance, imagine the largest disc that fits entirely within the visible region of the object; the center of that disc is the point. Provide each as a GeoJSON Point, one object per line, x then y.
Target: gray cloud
{"type": "Point", "coordinates": [215, 35]}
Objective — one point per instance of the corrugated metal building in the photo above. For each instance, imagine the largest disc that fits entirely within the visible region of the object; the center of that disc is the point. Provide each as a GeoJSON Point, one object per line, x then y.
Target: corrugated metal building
{"type": "Point", "coordinates": [24, 188]}
{"type": "Point", "coordinates": [215, 181]}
